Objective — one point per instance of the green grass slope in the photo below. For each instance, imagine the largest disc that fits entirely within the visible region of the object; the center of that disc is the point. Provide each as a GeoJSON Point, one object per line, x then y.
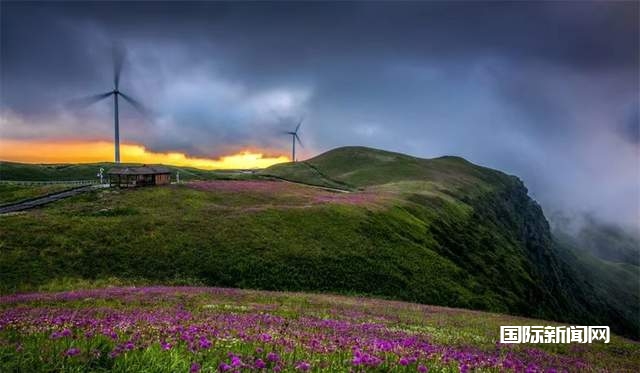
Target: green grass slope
{"type": "Point", "coordinates": [614, 286]}
{"type": "Point", "coordinates": [359, 167]}
{"type": "Point", "coordinates": [442, 231]}
{"type": "Point", "coordinates": [11, 193]}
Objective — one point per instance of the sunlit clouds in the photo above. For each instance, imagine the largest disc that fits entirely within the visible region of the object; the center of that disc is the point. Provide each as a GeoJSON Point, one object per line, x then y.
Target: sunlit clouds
{"type": "Point", "coordinates": [33, 151]}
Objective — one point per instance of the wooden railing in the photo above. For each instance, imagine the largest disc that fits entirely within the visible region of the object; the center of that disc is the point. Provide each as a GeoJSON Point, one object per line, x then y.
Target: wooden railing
{"type": "Point", "coordinates": [46, 182]}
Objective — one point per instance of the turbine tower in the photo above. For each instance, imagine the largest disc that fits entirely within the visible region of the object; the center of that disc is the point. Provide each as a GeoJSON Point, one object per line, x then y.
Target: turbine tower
{"type": "Point", "coordinates": [118, 61]}
{"type": "Point", "coordinates": [294, 137]}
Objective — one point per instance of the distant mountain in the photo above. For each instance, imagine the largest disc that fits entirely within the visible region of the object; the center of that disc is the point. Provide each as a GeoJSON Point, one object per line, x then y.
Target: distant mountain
{"type": "Point", "coordinates": [613, 288]}
{"type": "Point", "coordinates": [609, 242]}
{"type": "Point", "coordinates": [595, 237]}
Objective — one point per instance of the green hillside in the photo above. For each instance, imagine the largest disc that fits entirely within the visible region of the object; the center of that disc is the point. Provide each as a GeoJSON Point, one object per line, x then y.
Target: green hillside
{"type": "Point", "coordinates": [10, 193]}
{"type": "Point", "coordinates": [615, 285]}
{"type": "Point", "coordinates": [441, 231]}
{"type": "Point", "coordinates": [572, 271]}
{"type": "Point", "coordinates": [359, 167]}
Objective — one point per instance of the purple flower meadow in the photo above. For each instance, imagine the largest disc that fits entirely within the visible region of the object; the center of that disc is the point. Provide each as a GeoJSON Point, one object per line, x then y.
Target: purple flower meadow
{"type": "Point", "coordinates": [229, 330]}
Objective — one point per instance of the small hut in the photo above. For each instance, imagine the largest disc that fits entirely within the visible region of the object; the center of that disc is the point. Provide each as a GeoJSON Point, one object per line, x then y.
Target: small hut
{"type": "Point", "coordinates": [139, 176]}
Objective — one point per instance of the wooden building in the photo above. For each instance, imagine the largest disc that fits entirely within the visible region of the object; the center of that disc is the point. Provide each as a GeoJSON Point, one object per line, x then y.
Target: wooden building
{"type": "Point", "coordinates": [139, 176]}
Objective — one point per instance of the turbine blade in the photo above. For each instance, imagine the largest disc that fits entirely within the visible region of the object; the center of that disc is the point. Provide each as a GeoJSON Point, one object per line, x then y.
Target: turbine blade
{"type": "Point", "coordinates": [118, 60]}
{"type": "Point", "coordinates": [298, 138]}
{"type": "Point", "coordinates": [83, 102]}
{"type": "Point", "coordinates": [136, 104]}
{"type": "Point", "coordinates": [298, 126]}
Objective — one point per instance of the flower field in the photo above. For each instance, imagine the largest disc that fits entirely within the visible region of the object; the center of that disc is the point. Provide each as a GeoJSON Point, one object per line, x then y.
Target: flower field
{"type": "Point", "coordinates": [199, 329]}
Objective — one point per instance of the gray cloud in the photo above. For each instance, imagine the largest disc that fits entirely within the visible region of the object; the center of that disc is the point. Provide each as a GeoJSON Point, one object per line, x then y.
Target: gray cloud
{"type": "Point", "coordinates": [544, 90]}
{"type": "Point", "coordinates": [630, 126]}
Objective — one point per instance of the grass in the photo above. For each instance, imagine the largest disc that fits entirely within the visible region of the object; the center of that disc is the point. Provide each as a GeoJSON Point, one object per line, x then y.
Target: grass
{"type": "Point", "coordinates": [359, 167]}
{"type": "Point", "coordinates": [251, 239]}
{"type": "Point", "coordinates": [164, 329]}
{"type": "Point", "coordinates": [303, 172]}
{"type": "Point", "coordinates": [276, 236]}
{"type": "Point", "coordinates": [10, 193]}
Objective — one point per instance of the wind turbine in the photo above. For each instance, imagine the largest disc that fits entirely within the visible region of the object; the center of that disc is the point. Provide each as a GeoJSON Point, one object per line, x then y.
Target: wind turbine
{"type": "Point", "coordinates": [118, 61]}
{"type": "Point", "coordinates": [294, 137]}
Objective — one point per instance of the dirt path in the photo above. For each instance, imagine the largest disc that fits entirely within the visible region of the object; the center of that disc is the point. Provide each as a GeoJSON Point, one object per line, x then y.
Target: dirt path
{"type": "Point", "coordinates": [312, 186]}
{"type": "Point", "coordinates": [39, 201]}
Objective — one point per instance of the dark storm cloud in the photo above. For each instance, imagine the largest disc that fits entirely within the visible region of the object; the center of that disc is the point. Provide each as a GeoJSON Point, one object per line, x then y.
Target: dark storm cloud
{"type": "Point", "coordinates": [630, 128]}
{"type": "Point", "coordinates": [540, 89]}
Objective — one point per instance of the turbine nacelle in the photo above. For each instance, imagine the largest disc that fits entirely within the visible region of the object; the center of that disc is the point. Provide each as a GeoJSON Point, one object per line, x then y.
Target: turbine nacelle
{"type": "Point", "coordinates": [294, 138]}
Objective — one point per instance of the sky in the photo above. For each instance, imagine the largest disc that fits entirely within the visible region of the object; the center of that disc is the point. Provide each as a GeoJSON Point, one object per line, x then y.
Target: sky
{"type": "Point", "coordinates": [547, 91]}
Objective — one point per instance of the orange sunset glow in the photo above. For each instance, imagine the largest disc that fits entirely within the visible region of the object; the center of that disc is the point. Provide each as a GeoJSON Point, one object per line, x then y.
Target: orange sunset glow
{"type": "Point", "coordinates": [100, 151]}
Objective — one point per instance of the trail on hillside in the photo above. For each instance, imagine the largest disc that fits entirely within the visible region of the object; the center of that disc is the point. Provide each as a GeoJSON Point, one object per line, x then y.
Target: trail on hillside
{"type": "Point", "coordinates": [40, 201]}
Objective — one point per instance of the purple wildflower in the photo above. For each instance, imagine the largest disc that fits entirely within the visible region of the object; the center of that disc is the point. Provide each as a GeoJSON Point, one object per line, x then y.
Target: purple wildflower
{"type": "Point", "coordinates": [195, 368]}
{"type": "Point", "coordinates": [236, 362]}
{"type": "Point", "coordinates": [224, 367]}
{"type": "Point", "coordinates": [303, 366]}
{"type": "Point", "coordinates": [265, 337]}
{"type": "Point", "coordinates": [205, 343]}
{"type": "Point", "coordinates": [260, 364]}
{"type": "Point", "coordinates": [73, 351]}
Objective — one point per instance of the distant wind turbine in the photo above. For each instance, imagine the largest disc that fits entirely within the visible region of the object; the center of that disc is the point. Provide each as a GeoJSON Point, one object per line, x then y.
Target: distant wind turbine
{"type": "Point", "coordinates": [294, 137]}
{"type": "Point", "coordinates": [118, 61]}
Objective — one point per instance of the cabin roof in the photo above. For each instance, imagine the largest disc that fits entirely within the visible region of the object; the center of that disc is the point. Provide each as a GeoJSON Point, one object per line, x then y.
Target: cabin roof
{"type": "Point", "coordinates": [143, 170]}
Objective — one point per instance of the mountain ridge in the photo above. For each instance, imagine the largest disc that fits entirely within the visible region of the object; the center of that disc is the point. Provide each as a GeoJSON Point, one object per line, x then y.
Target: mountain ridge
{"type": "Point", "coordinates": [502, 201]}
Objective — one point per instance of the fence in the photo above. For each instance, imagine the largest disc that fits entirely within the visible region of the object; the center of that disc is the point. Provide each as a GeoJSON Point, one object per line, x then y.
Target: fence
{"type": "Point", "coordinates": [36, 182]}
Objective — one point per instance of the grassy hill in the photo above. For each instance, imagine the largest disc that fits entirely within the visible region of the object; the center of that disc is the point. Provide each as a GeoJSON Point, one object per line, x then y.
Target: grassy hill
{"type": "Point", "coordinates": [605, 290]}
{"type": "Point", "coordinates": [440, 231]}
{"type": "Point", "coordinates": [359, 167]}
{"type": "Point", "coordinates": [10, 193]}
